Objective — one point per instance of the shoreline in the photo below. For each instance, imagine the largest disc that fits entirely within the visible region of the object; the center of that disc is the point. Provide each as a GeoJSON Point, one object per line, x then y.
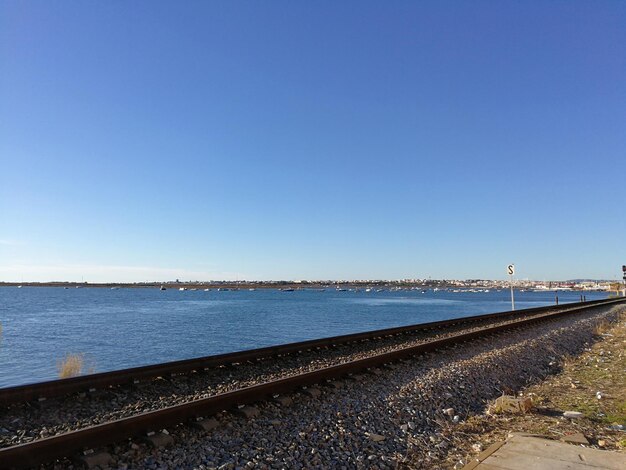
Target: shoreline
{"type": "Point", "coordinates": [302, 285]}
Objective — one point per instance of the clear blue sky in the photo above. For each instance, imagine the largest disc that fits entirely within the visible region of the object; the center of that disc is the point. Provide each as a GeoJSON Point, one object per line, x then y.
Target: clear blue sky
{"type": "Point", "coordinates": [312, 140]}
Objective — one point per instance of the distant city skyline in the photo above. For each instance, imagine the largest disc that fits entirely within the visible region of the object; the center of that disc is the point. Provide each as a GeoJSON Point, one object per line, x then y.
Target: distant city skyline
{"type": "Point", "coordinates": [116, 274]}
{"type": "Point", "coordinates": [150, 141]}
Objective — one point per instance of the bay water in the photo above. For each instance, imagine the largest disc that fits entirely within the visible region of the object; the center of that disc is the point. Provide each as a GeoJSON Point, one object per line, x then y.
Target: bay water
{"type": "Point", "coordinates": [127, 327]}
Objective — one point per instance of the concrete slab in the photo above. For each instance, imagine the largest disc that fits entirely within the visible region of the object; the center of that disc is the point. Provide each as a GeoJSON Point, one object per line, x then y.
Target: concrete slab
{"type": "Point", "coordinates": [576, 438]}
{"type": "Point", "coordinates": [533, 453]}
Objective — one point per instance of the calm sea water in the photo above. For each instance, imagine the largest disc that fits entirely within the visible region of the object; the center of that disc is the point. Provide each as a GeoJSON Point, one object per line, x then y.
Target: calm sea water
{"type": "Point", "coordinates": [130, 327]}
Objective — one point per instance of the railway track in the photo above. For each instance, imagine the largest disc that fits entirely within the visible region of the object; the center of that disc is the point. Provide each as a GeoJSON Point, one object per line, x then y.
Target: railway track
{"type": "Point", "coordinates": [136, 375]}
{"type": "Point", "coordinates": [239, 378]}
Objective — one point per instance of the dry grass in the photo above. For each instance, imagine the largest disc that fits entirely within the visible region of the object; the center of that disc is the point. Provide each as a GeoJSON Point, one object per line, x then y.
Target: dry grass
{"type": "Point", "coordinates": [71, 365]}
{"type": "Point", "coordinates": [602, 327]}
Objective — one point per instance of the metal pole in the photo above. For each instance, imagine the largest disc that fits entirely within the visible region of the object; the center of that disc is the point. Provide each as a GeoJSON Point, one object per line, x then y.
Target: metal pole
{"type": "Point", "coordinates": [512, 297]}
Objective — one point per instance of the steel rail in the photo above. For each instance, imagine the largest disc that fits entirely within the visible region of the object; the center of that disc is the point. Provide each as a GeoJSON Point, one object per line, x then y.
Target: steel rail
{"type": "Point", "coordinates": [60, 387]}
{"type": "Point", "coordinates": [47, 449]}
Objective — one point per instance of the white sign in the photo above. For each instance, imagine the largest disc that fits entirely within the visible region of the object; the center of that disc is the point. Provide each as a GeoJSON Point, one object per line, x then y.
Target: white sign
{"type": "Point", "coordinates": [510, 269]}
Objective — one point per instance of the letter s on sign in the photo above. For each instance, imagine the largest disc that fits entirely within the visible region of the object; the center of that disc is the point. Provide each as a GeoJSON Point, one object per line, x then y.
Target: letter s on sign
{"type": "Point", "coordinates": [510, 269]}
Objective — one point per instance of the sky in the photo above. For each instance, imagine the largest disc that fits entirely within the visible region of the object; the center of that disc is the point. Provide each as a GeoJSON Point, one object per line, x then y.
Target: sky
{"type": "Point", "coordinates": [151, 140]}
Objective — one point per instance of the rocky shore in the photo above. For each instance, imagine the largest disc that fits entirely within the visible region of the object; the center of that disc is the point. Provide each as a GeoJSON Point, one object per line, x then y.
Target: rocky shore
{"type": "Point", "coordinates": [395, 417]}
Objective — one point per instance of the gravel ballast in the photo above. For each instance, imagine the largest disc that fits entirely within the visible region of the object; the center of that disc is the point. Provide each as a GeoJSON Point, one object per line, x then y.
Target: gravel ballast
{"type": "Point", "coordinates": [379, 420]}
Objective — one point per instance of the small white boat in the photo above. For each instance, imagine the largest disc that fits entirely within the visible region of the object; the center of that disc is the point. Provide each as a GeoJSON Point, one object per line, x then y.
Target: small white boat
{"type": "Point", "coordinates": [182, 288]}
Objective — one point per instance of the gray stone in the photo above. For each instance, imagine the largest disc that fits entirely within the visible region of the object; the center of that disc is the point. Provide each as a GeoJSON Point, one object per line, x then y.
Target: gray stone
{"type": "Point", "coordinates": [159, 440]}
{"type": "Point", "coordinates": [96, 459]}
{"type": "Point", "coordinates": [335, 384]}
{"type": "Point", "coordinates": [248, 412]}
{"type": "Point", "coordinates": [376, 437]}
{"type": "Point", "coordinates": [312, 392]}
{"type": "Point", "coordinates": [478, 447]}
{"type": "Point", "coordinates": [283, 400]}
{"type": "Point", "coordinates": [206, 424]}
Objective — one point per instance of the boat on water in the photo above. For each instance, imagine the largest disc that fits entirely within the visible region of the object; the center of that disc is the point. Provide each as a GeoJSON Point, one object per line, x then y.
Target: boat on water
{"type": "Point", "coordinates": [207, 290]}
{"type": "Point", "coordinates": [182, 288]}
{"type": "Point", "coordinates": [288, 289]}
{"type": "Point", "coordinates": [162, 288]}
{"type": "Point", "coordinates": [222, 289]}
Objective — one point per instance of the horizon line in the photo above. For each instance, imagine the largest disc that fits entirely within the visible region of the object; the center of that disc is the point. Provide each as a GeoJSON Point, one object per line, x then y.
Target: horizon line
{"type": "Point", "coordinates": [308, 281]}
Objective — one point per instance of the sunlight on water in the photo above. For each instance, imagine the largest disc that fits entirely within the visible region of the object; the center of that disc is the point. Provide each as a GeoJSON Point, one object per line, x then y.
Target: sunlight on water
{"type": "Point", "coordinates": [403, 300]}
